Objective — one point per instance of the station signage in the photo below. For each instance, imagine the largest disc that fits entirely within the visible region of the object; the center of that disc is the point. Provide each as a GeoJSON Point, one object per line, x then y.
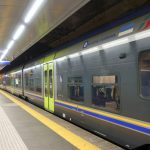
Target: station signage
{"type": "Point", "coordinates": [4, 63]}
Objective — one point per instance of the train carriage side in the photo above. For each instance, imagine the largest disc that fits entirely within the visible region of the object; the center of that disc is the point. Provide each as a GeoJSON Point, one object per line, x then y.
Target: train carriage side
{"type": "Point", "coordinates": [3, 82]}
{"type": "Point", "coordinates": [16, 82]}
{"type": "Point", "coordinates": [38, 80]}
{"type": "Point", "coordinates": [107, 91]}
{"type": "Point", "coordinates": [12, 82]}
{"type": "Point", "coordinates": [33, 82]}
{"type": "Point", "coordinates": [6, 82]}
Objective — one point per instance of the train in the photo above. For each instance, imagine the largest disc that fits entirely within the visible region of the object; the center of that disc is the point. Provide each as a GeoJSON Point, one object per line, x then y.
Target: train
{"type": "Point", "coordinates": [101, 83]}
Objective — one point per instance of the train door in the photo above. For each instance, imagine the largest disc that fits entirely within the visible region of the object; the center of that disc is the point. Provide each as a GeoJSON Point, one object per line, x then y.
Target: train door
{"type": "Point", "coordinates": [48, 87]}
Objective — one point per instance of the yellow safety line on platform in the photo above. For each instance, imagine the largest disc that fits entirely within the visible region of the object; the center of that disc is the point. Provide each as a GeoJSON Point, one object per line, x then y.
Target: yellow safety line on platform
{"type": "Point", "coordinates": [72, 138]}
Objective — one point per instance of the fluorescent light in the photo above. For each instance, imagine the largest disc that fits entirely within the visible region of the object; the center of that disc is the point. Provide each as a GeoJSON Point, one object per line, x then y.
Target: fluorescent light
{"type": "Point", "coordinates": [10, 44]}
{"type": "Point", "coordinates": [18, 32]}
{"type": "Point", "coordinates": [143, 34]}
{"type": "Point", "coordinates": [115, 43]}
{"type": "Point", "coordinates": [74, 55]}
{"type": "Point", "coordinates": [33, 10]}
{"type": "Point", "coordinates": [4, 54]}
{"type": "Point", "coordinates": [90, 50]}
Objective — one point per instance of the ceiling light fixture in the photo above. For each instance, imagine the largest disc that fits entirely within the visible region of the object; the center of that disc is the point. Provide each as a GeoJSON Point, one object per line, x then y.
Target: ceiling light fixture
{"type": "Point", "coordinates": [3, 55]}
{"type": "Point", "coordinates": [33, 10]}
{"type": "Point", "coordinates": [36, 5]}
{"type": "Point", "coordinates": [9, 46]}
{"type": "Point", "coordinates": [19, 31]}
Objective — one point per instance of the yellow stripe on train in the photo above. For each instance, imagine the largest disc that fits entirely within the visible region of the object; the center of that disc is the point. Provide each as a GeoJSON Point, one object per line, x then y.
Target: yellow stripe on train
{"type": "Point", "coordinates": [115, 116]}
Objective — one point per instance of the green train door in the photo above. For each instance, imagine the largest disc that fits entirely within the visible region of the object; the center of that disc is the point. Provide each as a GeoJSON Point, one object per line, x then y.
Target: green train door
{"type": "Point", "coordinates": [48, 87]}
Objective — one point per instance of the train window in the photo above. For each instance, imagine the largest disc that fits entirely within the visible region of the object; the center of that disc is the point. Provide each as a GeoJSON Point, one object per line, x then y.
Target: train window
{"type": "Point", "coordinates": [76, 88]}
{"type": "Point", "coordinates": [37, 80]}
{"type": "Point", "coordinates": [26, 79]}
{"type": "Point", "coordinates": [51, 83]}
{"type": "Point", "coordinates": [46, 87]}
{"type": "Point", "coordinates": [144, 69]}
{"type": "Point", "coordinates": [59, 87]}
{"type": "Point", "coordinates": [7, 80]}
{"type": "Point", "coordinates": [105, 92]}
{"type": "Point", "coordinates": [31, 84]}
{"type": "Point", "coordinates": [32, 80]}
{"type": "Point", "coordinates": [17, 80]}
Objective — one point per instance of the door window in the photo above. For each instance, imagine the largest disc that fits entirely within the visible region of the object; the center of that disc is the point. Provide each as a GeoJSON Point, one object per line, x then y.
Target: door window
{"type": "Point", "coordinates": [46, 88]}
{"type": "Point", "coordinates": [51, 83]}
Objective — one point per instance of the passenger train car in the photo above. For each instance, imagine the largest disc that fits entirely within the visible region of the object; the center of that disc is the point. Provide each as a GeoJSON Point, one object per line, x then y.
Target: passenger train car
{"type": "Point", "coordinates": [101, 83]}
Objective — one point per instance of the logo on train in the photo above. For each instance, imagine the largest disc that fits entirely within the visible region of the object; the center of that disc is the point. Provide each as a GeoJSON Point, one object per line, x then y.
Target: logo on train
{"type": "Point", "coordinates": [145, 24]}
{"type": "Point", "coordinates": [126, 29]}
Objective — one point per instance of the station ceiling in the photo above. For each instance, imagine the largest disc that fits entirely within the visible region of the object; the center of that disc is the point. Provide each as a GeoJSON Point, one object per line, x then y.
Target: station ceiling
{"type": "Point", "coordinates": [13, 14]}
{"type": "Point", "coordinates": [57, 23]}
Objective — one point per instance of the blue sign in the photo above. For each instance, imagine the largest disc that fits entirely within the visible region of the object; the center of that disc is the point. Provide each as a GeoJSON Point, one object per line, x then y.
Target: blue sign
{"type": "Point", "coordinates": [4, 63]}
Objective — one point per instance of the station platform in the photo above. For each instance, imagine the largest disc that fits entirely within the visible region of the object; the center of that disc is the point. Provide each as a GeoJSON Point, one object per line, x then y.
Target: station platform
{"type": "Point", "coordinates": [24, 126]}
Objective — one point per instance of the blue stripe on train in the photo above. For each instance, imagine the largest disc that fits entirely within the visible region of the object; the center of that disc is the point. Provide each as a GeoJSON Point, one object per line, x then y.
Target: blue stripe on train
{"type": "Point", "coordinates": [34, 96]}
{"type": "Point", "coordinates": [67, 106]}
{"type": "Point", "coordinates": [122, 123]}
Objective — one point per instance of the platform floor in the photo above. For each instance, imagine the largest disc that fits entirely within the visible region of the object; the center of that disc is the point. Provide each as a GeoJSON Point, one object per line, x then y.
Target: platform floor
{"type": "Point", "coordinates": [21, 128]}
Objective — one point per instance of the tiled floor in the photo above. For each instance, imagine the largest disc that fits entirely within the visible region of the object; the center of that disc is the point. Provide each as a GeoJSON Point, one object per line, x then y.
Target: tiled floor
{"type": "Point", "coordinates": [20, 131]}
